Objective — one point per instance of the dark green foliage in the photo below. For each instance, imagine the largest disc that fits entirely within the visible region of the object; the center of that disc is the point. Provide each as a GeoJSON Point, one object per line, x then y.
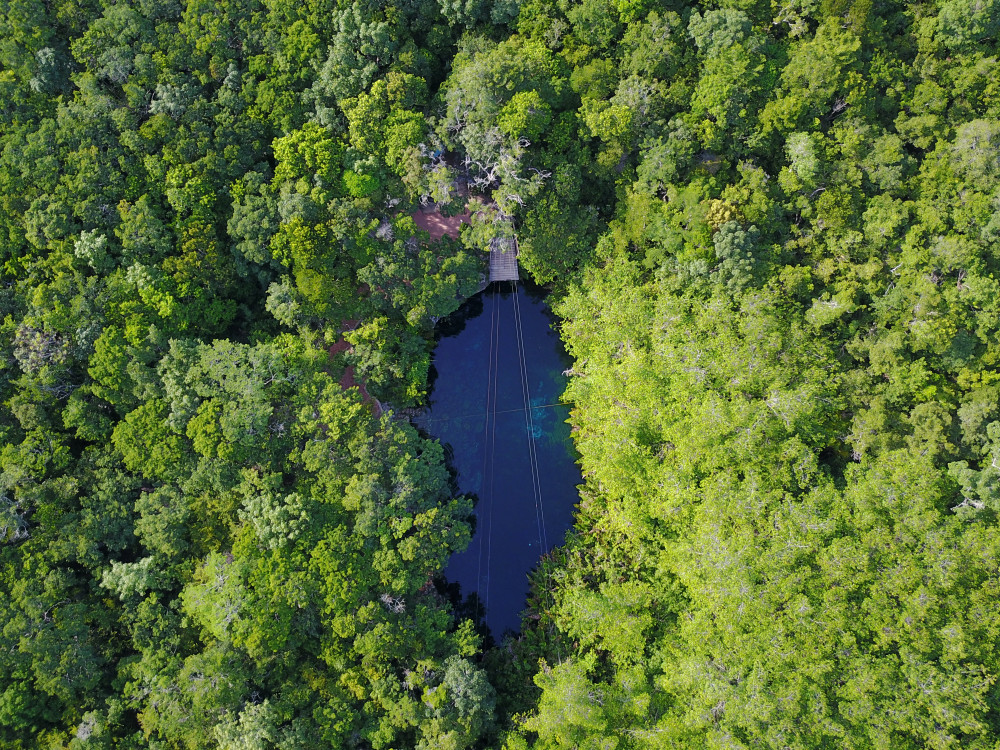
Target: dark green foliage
{"type": "Point", "coordinates": [771, 233]}
{"type": "Point", "coordinates": [207, 541]}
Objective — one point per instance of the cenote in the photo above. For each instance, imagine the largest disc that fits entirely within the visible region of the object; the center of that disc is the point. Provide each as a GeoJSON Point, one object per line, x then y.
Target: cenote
{"type": "Point", "coordinates": [495, 354]}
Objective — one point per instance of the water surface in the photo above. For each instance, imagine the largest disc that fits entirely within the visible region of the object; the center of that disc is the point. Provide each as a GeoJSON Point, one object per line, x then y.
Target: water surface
{"type": "Point", "coordinates": [519, 463]}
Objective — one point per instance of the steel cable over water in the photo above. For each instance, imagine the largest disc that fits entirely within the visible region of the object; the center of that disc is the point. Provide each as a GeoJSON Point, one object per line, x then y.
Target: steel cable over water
{"type": "Point", "coordinates": [489, 444]}
{"type": "Point", "coordinates": [495, 356]}
{"type": "Point", "coordinates": [487, 465]}
{"type": "Point", "coordinates": [533, 455]}
{"type": "Point", "coordinates": [529, 423]}
{"type": "Point", "coordinates": [521, 373]}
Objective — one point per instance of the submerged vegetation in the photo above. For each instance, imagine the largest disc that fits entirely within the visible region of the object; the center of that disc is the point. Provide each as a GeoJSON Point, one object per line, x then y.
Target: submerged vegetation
{"type": "Point", "coordinates": [771, 232]}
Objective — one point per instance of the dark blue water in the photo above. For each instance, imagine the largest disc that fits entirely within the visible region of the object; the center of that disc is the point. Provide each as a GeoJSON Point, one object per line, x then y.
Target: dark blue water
{"type": "Point", "coordinates": [519, 463]}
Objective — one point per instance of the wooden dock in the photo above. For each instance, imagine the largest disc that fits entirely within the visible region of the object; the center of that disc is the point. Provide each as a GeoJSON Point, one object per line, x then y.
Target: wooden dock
{"type": "Point", "coordinates": [503, 259]}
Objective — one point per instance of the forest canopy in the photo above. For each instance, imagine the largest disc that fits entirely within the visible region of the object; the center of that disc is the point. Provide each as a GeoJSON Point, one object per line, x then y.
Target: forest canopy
{"type": "Point", "coordinates": [770, 231]}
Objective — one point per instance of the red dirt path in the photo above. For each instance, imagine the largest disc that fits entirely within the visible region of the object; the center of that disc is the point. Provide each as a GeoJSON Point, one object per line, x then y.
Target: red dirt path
{"type": "Point", "coordinates": [432, 221]}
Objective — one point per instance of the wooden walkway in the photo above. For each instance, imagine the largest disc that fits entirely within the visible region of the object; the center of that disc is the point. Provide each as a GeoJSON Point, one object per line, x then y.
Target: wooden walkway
{"type": "Point", "coordinates": [503, 260]}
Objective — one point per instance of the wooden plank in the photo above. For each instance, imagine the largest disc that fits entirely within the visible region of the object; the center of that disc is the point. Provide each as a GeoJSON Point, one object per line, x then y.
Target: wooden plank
{"type": "Point", "coordinates": [503, 261]}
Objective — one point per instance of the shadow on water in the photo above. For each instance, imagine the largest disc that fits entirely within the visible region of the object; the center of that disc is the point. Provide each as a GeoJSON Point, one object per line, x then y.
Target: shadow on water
{"type": "Point", "coordinates": [454, 324]}
{"type": "Point", "coordinates": [451, 327]}
{"type": "Point", "coordinates": [467, 608]}
{"type": "Point", "coordinates": [518, 463]}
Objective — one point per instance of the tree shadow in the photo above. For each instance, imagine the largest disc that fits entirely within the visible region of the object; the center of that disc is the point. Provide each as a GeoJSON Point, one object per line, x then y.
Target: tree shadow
{"type": "Point", "coordinates": [468, 607]}
{"type": "Point", "coordinates": [455, 323]}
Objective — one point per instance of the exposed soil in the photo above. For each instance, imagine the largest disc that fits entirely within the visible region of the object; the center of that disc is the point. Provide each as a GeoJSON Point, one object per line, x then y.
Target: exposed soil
{"type": "Point", "coordinates": [437, 225]}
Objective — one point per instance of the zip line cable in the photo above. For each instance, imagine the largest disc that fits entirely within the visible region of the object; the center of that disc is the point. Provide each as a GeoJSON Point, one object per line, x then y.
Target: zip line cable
{"type": "Point", "coordinates": [493, 445]}
{"type": "Point", "coordinates": [529, 423]}
{"type": "Point", "coordinates": [520, 361]}
{"type": "Point", "coordinates": [536, 478]}
{"type": "Point", "coordinates": [490, 385]}
{"type": "Point", "coordinates": [489, 442]}
{"type": "Point", "coordinates": [533, 445]}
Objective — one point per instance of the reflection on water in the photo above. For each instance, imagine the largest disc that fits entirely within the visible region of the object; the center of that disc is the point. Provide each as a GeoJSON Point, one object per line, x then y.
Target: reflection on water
{"type": "Point", "coordinates": [519, 463]}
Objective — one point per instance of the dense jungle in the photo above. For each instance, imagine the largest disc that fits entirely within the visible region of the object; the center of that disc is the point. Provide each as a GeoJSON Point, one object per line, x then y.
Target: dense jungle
{"type": "Point", "coordinates": [770, 230]}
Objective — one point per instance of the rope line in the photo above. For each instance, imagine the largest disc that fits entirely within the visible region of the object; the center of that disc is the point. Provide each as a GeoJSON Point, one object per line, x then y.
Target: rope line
{"type": "Point", "coordinates": [493, 445]}
{"type": "Point", "coordinates": [490, 386]}
{"type": "Point", "coordinates": [534, 447]}
{"type": "Point", "coordinates": [529, 424]}
{"type": "Point", "coordinates": [488, 485]}
{"type": "Point", "coordinates": [527, 407]}
{"type": "Point", "coordinates": [536, 476]}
